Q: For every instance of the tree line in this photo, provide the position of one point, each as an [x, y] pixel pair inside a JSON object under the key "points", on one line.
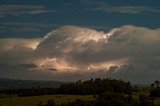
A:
{"points": [[106, 92], [95, 86]]}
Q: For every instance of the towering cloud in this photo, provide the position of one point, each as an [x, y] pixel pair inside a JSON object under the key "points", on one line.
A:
{"points": [[82, 52]]}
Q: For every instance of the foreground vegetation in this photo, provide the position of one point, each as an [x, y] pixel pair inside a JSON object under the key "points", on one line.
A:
{"points": [[35, 100], [94, 92]]}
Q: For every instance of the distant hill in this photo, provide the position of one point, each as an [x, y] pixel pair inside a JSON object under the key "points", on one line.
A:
{"points": [[6, 83]]}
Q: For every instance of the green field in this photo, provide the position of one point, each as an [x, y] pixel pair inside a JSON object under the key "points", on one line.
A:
{"points": [[34, 100]]}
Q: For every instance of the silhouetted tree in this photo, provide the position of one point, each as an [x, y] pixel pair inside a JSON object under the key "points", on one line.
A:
{"points": [[157, 83], [152, 85]]}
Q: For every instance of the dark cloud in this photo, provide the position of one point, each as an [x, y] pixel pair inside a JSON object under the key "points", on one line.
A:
{"points": [[126, 9], [107, 7], [22, 9]]}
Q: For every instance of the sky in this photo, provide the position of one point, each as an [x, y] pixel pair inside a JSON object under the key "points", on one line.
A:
{"points": [[67, 40], [31, 18]]}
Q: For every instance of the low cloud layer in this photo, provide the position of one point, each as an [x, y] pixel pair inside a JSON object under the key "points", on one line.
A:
{"points": [[71, 52]]}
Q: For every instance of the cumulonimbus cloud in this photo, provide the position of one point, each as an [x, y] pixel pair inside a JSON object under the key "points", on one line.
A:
{"points": [[76, 51]]}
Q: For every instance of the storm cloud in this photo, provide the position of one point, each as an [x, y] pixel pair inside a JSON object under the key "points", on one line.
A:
{"points": [[72, 52]]}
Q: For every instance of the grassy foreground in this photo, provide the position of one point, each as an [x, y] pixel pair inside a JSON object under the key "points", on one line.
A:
{"points": [[34, 100]]}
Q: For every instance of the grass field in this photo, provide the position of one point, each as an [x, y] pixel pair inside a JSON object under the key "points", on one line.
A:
{"points": [[34, 100]]}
